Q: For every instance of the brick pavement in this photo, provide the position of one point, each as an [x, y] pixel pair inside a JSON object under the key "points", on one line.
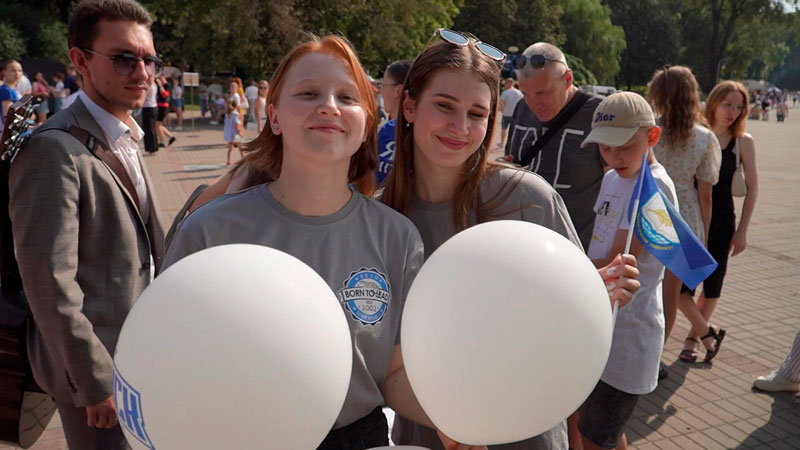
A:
{"points": [[698, 406]]}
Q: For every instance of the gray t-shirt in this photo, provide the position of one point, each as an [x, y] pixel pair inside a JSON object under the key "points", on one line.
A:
{"points": [[363, 245], [575, 172], [513, 194]]}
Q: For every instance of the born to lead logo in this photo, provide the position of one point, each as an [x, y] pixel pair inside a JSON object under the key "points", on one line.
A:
{"points": [[366, 295], [129, 409]]}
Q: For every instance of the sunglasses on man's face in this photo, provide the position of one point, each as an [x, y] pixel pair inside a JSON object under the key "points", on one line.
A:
{"points": [[462, 39], [536, 61], [126, 63]]}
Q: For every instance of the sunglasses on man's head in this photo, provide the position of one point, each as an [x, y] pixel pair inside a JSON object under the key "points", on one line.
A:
{"points": [[126, 63], [462, 39], [536, 61]]}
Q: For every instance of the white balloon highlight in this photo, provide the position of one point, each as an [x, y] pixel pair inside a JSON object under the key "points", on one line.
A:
{"points": [[237, 346], [505, 332]]}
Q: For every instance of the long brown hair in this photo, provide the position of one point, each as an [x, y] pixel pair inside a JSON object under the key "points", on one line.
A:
{"points": [[399, 184], [718, 95], [673, 91], [265, 152]]}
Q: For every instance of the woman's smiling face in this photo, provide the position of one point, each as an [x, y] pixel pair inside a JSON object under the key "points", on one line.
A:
{"points": [[319, 114], [450, 118]]}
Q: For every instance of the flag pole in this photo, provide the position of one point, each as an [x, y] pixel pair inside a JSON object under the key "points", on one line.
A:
{"points": [[632, 223]]}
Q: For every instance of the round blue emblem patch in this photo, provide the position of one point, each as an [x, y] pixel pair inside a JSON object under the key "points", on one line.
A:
{"points": [[366, 295]]}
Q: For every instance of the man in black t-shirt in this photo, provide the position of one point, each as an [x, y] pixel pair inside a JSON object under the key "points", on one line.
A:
{"points": [[71, 81], [545, 80]]}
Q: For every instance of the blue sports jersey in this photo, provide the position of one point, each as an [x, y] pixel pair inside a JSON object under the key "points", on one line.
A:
{"points": [[386, 147], [7, 93]]}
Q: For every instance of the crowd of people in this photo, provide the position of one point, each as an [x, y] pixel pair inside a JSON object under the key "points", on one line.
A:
{"points": [[326, 182], [763, 103]]}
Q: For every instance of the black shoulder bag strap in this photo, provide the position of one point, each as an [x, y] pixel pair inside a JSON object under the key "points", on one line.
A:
{"points": [[559, 122]]}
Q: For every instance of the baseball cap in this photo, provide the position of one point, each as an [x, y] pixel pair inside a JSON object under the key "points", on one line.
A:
{"points": [[618, 117]]}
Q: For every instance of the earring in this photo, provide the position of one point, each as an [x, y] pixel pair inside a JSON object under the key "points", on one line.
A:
{"points": [[408, 124]]}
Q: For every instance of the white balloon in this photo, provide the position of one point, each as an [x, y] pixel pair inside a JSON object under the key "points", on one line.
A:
{"points": [[506, 330], [237, 346]]}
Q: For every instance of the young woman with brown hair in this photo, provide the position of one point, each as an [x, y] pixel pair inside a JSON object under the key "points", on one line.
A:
{"points": [[727, 108], [690, 152], [443, 182]]}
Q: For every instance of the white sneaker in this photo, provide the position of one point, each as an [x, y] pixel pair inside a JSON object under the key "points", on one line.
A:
{"points": [[178, 128], [775, 382], [213, 122]]}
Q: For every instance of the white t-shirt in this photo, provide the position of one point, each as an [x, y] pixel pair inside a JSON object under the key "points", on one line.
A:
{"points": [[23, 86], [638, 340], [150, 97], [251, 93], [510, 97], [58, 90], [177, 92]]}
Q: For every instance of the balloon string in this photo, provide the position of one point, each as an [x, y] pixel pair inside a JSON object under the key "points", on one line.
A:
{"points": [[614, 314]]}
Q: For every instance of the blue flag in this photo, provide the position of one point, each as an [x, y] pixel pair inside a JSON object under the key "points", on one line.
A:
{"points": [[664, 233]]}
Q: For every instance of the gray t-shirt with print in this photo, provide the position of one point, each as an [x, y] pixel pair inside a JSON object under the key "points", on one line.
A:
{"points": [[364, 244], [575, 172], [512, 194]]}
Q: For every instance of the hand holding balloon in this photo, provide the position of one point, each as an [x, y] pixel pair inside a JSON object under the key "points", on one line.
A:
{"points": [[621, 278], [477, 325], [229, 326], [450, 444], [102, 414]]}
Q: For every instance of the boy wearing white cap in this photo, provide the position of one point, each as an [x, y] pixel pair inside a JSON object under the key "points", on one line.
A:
{"points": [[625, 130]]}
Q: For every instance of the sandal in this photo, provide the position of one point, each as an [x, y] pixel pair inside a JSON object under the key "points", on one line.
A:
{"points": [[689, 354], [718, 336]]}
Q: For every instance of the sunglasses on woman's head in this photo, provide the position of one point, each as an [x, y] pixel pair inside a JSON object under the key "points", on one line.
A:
{"points": [[536, 61], [462, 39]]}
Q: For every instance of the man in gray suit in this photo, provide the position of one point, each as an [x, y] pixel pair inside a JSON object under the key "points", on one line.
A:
{"points": [[85, 219]]}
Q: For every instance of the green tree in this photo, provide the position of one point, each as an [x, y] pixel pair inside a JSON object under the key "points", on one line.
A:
{"points": [[709, 27], [787, 74], [581, 74], [651, 36], [518, 23], [382, 30], [591, 36], [51, 41], [245, 37], [39, 26], [757, 47], [248, 37], [12, 46]]}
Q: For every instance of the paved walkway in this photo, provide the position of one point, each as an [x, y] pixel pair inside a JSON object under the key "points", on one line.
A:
{"points": [[698, 406]]}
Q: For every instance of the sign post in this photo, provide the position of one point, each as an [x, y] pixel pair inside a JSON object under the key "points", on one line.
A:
{"points": [[192, 79]]}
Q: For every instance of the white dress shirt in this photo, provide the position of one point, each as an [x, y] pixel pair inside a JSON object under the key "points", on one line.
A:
{"points": [[124, 143]]}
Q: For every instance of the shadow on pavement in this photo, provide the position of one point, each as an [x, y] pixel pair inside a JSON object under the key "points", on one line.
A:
{"points": [[200, 147], [784, 418], [654, 409]]}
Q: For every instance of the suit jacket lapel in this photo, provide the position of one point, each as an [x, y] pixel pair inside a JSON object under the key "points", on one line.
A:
{"points": [[154, 228], [84, 119]]}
